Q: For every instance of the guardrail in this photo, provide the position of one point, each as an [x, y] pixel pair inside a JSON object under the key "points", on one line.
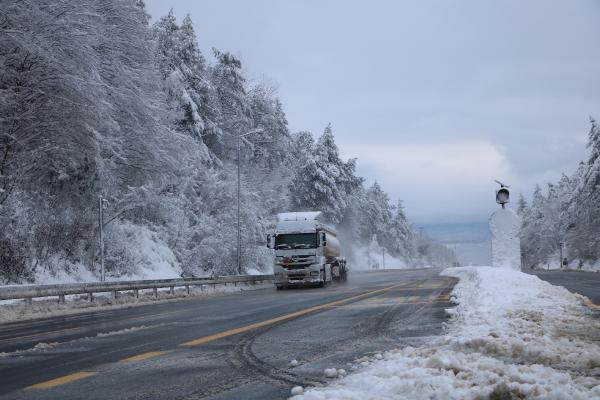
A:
{"points": [[29, 292]]}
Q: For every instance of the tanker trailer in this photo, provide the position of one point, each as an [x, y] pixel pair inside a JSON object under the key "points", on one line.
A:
{"points": [[307, 251]]}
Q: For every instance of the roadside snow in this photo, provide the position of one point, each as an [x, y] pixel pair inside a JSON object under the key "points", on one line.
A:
{"points": [[42, 346], [18, 310], [512, 335]]}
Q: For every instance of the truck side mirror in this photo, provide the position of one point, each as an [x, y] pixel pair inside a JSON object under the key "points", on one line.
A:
{"points": [[323, 238], [269, 241]]}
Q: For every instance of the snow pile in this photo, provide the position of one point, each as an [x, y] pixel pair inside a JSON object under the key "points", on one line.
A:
{"points": [[587, 266], [139, 253], [42, 346], [69, 273], [511, 336]]}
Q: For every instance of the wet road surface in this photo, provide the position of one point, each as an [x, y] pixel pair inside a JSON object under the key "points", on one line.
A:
{"points": [[228, 347]]}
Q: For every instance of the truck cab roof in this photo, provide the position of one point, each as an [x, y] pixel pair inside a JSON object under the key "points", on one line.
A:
{"points": [[301, 222]]}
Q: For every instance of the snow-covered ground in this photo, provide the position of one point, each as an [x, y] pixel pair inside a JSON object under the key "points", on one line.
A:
{"points": [[374, 258], [511, 336], [13, 310]]}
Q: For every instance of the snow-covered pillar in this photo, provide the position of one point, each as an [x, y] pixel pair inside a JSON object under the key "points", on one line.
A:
{"points": [[505, 226]]}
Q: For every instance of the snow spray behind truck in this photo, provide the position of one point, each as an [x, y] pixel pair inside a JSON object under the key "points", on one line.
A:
{"points": [[307, 251]]}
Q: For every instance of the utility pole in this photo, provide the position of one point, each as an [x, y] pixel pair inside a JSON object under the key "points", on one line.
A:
{"points": [[383, 258], [239, 231], [102, 202]]}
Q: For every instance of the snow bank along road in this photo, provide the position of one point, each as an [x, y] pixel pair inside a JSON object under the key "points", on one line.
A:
{"points": [[512, 336], [236, 346]]}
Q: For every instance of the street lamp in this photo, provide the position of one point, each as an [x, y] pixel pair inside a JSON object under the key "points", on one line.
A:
{"points": [[502, 194]]}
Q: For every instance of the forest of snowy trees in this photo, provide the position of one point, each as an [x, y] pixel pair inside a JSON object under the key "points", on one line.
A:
{"points": [[568, 212], [97, 100]]}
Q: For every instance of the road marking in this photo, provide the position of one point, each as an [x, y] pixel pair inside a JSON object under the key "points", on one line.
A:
{"points": [[588, 303], [243, 329], [62, 380], [144, 356]]}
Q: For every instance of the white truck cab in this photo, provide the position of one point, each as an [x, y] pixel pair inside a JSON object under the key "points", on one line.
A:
{"points": [[307, 251]]}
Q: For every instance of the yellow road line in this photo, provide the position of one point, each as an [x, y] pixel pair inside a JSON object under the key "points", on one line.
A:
{"points": [[62, 380], [414, 299], [588, 303], [235, 331], [144, 356]]}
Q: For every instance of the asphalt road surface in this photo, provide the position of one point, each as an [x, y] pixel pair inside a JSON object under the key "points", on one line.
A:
{"points": [[584, 283], [228, 347]]}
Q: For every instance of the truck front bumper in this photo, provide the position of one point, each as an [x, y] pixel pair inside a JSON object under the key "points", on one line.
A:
{"points": [[292, 277]]}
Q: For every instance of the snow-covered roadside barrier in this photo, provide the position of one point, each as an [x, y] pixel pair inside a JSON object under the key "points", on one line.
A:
{"points": [[19, 310], [511, 335]]}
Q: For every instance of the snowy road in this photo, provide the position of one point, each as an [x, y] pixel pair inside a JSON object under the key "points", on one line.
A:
{"points": [[233, 346]]}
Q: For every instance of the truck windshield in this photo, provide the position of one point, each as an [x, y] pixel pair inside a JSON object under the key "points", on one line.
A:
{"points": [[296, 241]]}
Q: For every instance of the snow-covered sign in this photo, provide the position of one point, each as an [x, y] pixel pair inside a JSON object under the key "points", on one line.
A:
{"points": [[505, 226]]}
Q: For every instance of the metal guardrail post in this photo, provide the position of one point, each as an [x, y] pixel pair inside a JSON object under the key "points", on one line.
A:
{"points": [[28, 292]]}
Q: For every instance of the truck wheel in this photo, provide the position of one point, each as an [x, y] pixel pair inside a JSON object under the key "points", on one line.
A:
{"points": [[279, 287], [323, 283]]}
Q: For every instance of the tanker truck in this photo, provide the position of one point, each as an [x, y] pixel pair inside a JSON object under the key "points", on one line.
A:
{"points": [[307, 251]]}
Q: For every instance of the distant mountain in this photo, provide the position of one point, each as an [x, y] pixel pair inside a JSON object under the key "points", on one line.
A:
{"points": [[470, 241], [473, 232]]}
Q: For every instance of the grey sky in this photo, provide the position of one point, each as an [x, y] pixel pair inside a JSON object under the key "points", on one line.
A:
{"points": [[435, 98]]}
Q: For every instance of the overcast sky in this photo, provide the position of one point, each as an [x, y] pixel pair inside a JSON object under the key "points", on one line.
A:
{"points": [[435, 98]]}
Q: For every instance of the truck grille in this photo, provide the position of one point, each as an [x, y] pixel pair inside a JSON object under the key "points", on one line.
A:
{"points": [[294, 266], [296, 261]]}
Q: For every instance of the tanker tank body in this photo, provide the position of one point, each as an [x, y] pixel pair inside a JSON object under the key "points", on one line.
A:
{"points": [[307, 251]]}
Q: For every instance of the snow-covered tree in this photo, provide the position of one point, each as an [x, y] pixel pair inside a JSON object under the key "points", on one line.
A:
{"points": [[184, 72], [94, 101], [325, 182]]}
